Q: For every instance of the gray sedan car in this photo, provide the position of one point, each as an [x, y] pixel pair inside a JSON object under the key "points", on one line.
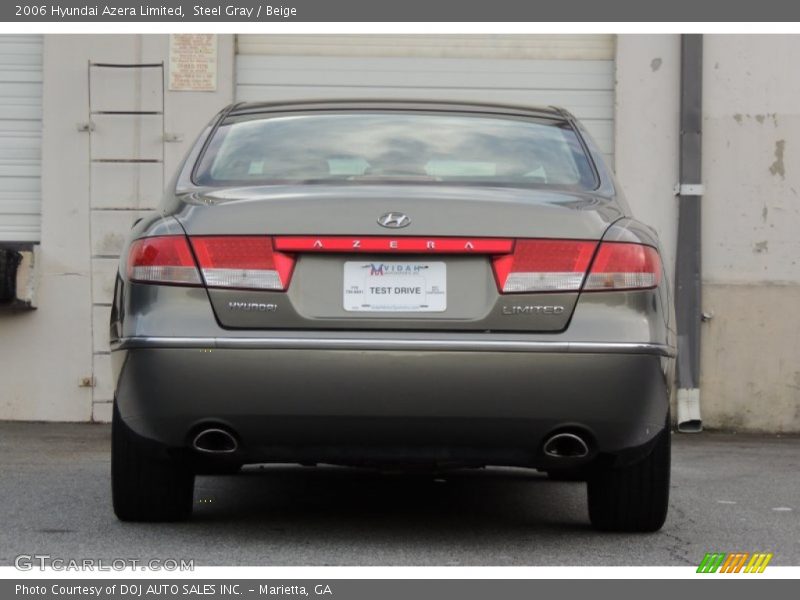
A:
{"points": [[393, 284]]}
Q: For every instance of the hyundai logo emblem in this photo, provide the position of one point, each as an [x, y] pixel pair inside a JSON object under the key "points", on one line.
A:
{"points": [[394, 220]]}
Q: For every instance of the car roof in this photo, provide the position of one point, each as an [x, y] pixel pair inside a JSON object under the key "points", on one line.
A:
{"points": [[244, 108]]}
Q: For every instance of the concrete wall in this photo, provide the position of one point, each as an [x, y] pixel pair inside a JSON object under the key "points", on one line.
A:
{"points": [[750, 373], [751, 233], [48, 353], [120, 193], [646, 134]]}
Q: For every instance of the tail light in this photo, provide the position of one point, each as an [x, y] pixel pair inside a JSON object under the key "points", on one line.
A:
{"points": [[164, 259], [624, 266], [252, 262], [561, 266], [544, 266], [247, 262]]}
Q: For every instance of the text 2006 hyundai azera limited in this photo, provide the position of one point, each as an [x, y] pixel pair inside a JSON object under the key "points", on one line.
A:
{"points": [[393, 284]]}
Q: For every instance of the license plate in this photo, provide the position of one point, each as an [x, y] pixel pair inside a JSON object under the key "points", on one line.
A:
{"points": [[395, 286]]}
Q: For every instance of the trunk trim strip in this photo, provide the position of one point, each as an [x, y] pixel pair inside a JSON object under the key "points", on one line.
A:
{"points": [[393, 245], [462, 345]]}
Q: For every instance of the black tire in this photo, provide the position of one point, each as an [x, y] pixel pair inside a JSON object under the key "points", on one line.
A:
{"points": [[145, 486], [634, 498]]}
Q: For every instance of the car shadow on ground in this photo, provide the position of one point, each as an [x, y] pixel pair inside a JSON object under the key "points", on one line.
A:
{"points": [[340, 498]]}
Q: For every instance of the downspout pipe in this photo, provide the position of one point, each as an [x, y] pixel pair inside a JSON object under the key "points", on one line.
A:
{"points": [[688, 309]]}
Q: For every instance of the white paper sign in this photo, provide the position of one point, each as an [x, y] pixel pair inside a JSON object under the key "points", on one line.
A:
{"points": [[192, 62]]}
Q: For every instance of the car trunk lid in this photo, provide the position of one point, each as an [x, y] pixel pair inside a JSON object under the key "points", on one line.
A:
{"points": [[438, 271]]}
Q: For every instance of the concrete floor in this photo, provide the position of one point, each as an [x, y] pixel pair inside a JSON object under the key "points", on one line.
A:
{"points": [[730, 493]]}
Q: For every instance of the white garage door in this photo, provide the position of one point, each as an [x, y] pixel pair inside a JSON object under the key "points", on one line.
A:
{"points": [[573, 71], [20, 137]]}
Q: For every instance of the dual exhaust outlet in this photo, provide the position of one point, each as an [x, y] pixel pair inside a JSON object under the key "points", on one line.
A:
{"points": [[214, 440]]}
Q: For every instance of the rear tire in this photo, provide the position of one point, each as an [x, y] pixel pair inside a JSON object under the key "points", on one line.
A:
{"points": [[634, 498], [144, 486]]}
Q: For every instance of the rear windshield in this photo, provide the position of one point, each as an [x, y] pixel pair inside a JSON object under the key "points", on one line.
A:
{"points": [[364, 147]]}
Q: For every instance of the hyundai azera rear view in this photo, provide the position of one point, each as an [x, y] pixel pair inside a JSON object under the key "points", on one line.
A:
{"points": [[393, 284]]}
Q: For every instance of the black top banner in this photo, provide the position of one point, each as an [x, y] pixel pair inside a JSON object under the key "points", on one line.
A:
{"points": [[400, 11]]}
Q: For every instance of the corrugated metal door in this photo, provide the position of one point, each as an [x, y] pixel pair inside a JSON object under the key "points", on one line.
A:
{"points": [[20, 137], [573, 71]]}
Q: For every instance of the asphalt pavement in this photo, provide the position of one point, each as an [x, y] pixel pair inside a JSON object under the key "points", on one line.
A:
{"points": [[730, 493]]}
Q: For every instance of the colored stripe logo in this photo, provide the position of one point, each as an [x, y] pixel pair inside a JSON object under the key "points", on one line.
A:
{"points": [[734, 562]]}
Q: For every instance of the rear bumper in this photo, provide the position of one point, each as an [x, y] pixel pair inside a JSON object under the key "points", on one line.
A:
{"points": [[394, 400]]}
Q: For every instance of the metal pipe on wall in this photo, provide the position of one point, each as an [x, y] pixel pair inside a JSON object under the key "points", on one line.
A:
{"points": [[688, 309]]}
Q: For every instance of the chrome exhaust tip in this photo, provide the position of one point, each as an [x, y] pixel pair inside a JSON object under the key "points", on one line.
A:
{"points": [[566, 445], [215, 441]]}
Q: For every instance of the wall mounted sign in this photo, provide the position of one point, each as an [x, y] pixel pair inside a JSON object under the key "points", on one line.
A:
{"points": [[192, 62]]}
